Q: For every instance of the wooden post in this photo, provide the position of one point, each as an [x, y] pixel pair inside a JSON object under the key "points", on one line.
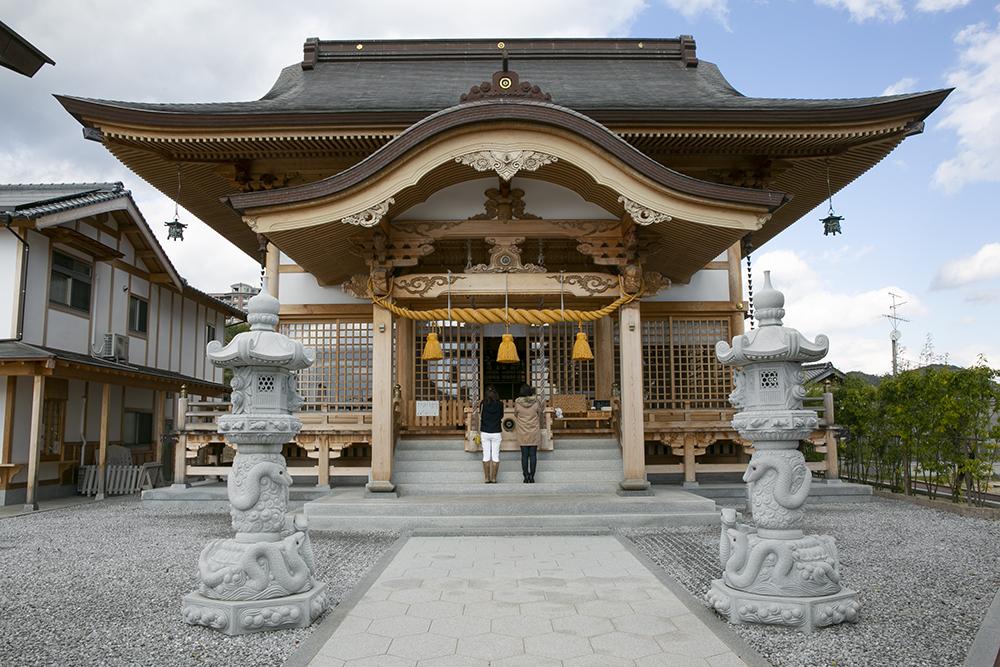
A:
{"points": [[105, 427], [832, 464], [180, 447], [690, 478], [604, 358], [272, 269], [633, 439], [382, 415], [733, 256], [405, 358], [35, 444], [160, 409], [324, 464]]}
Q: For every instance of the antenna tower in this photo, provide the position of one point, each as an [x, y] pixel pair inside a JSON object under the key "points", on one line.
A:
{"points": [[895, 335]]}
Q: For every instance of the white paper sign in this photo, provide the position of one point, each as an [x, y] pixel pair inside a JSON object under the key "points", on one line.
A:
{"points": [[428, 409]]}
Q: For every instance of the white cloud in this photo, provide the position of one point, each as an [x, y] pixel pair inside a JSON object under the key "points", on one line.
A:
{"points": [[905, 85], [692, 9], [862, 10], [811, 307], [984, 265], [968, 320], [983, 297], [941, 5], [974, 113]]}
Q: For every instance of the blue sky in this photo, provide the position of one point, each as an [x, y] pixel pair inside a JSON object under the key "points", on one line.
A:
{"points": [[922, 224]]}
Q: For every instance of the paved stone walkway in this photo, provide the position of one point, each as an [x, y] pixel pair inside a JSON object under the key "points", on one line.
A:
{"points": [[537, 601]]}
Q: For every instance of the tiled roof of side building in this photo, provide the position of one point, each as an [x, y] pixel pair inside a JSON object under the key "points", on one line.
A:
{"points": [[32, 200]]}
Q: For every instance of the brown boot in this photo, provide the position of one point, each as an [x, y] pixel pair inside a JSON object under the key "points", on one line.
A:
{"points": [[486, 471], [493, 474]]}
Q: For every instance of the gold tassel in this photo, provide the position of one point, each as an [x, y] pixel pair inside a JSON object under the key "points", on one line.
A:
{"points": [[432, 348], [507, 354], [581, 349]]}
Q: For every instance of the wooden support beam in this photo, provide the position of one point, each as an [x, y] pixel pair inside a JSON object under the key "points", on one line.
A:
{"points": [[105, 428], [180, 447], [633, 439], [159, 412], [35, 443], [382, 415], [405, 358], [604, 358], [272, 269]]}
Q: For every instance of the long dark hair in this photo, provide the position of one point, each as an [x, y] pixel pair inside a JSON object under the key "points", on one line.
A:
{"points": [[527, 390], [490, 395]]}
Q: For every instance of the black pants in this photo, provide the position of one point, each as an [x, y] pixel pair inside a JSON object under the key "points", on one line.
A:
{"points": [[529, 457]]}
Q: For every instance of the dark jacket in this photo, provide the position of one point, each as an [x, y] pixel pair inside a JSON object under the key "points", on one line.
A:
{"points": [[491, 416]]}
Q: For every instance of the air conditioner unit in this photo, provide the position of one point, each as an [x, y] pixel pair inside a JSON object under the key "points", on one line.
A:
{"points": [[115, 347]]}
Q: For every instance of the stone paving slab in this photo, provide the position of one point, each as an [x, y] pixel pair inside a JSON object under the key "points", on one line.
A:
{"points": [[503, 601]]}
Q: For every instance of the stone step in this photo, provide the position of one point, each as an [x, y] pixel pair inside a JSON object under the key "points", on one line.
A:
{"points": [[508, 485], [506, 477], [506, 462], [462, 455], [575, 443], [580, 521]]}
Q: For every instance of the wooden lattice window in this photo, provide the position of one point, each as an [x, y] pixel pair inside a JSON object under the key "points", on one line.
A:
{"points": [[679, 367], [456, 377], [551, 367], [341, 377]]}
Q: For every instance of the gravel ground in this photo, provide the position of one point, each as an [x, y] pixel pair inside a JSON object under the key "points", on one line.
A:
{"points": [[925, 579], [101, 584]]}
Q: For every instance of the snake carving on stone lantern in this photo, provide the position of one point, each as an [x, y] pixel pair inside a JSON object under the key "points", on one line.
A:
{"points": [[773, 572], [262, 579]]}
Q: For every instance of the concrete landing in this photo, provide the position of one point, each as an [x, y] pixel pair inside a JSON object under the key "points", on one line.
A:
{"points": [[348, 509]]}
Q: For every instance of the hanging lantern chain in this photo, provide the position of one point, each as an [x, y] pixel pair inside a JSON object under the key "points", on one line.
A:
{"points": [[831, 223]]}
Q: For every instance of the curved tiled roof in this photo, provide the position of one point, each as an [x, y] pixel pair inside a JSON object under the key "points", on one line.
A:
{"points": [[499, 111]]}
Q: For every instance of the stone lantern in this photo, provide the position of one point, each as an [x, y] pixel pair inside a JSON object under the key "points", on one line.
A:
{"points": [[263, 578], [774, 573]]}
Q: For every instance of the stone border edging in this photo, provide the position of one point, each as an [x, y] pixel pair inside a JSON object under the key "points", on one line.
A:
{"points": [[985, 649], [968, 511]]}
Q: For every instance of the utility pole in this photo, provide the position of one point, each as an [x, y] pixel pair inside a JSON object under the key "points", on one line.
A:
{"points": [[895, 335]]}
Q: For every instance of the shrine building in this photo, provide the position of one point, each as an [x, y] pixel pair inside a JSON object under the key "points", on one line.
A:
{"points": [[541, 188]]}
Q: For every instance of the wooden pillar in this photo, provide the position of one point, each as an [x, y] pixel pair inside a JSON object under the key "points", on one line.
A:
{"points": [[633, 440], [272, 268], [323, 480], [105, 428], [382, 415], [736, 288], [159, 412], [405, 355], [690, 478], [604, 358], [180, 447], [832, 464], [35, 443]]}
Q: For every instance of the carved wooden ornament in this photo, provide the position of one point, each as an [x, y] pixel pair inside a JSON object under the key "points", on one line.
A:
{"points": [[371, 216], [506, 163], [642, 215]]}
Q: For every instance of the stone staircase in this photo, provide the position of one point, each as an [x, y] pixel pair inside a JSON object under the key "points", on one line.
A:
{"points": [[442, 486]]}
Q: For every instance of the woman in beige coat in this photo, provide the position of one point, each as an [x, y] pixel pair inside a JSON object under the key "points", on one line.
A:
{"points": [[528, 413]]}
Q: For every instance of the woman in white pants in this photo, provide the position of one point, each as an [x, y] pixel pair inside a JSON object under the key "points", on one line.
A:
{"points": [[490, 430]]}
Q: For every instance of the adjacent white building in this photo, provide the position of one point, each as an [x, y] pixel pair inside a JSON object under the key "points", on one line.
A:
{"points": [[99, 335]]}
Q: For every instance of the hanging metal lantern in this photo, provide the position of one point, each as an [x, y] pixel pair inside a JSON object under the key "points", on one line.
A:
{"points": [[831, 223], [175, 230]]}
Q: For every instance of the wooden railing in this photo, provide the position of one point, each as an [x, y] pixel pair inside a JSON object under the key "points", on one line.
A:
{"points": [[688, 434], [326, 438]]}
